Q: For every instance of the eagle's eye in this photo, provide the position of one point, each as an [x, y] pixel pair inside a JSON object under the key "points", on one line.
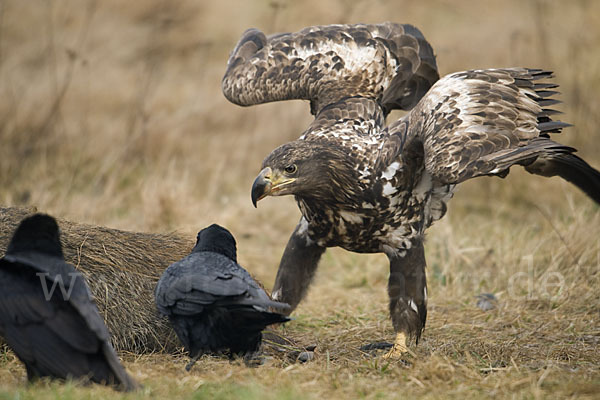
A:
{"points": [[290, 169]]}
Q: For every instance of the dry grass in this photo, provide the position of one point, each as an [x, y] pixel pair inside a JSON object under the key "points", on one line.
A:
{"points": [[111, 113]]}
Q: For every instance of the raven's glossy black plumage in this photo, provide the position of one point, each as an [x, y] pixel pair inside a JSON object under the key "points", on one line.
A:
{"points": [[213, 304], [47, 316]]}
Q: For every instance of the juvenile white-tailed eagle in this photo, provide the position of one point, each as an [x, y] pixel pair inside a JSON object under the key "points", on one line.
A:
{"points": [[368, 187]]}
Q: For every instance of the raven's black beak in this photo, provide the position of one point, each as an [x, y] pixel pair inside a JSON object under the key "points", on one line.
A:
{"points": [[262, 185]]}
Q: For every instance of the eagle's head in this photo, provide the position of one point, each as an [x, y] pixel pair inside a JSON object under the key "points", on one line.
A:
{"points": [[305, 169]]}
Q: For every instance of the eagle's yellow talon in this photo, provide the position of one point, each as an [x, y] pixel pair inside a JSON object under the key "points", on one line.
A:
{"points": [[399, 348]]}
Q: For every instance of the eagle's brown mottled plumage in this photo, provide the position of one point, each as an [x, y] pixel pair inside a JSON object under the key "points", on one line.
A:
{"points": [[368, 187], [389, 62]]}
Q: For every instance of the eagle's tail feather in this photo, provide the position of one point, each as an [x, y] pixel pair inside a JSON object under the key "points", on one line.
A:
{"points": [[572, 169]]}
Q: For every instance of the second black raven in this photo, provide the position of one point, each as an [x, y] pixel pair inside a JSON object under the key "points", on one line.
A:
{"points": [[213, 303]]}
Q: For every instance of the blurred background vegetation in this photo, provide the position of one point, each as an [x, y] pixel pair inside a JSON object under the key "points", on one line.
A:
{"points": [[111, 113]]}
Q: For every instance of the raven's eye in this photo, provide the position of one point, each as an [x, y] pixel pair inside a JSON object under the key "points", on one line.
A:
{"points": [[290, 169]]}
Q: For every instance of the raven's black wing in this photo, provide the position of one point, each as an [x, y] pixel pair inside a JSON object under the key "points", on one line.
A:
{"points": [[207, 279], [51, 323]]}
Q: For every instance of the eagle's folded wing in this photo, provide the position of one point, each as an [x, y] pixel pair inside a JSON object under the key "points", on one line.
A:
{"points": [[390, 63]]}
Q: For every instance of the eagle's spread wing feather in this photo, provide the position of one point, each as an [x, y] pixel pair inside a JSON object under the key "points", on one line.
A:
{"points": [[481, 122], [390, 63]]}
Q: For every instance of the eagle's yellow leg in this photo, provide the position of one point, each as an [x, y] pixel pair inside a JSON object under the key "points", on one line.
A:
{"points": [[398, 349]]}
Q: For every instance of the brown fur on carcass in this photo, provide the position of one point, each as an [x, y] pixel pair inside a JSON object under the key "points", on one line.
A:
{"points": [[122, 269]]}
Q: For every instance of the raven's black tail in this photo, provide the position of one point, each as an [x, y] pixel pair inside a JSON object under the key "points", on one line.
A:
{"points": [[247, 323], [571, 168], [252, 319]]}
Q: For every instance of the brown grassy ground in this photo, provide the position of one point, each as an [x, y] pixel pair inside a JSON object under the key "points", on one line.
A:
{"points": [[111, 113]]}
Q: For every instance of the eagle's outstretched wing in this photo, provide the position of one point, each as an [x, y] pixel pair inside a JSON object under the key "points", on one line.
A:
{"points": [[481, 122], [390, 63]]}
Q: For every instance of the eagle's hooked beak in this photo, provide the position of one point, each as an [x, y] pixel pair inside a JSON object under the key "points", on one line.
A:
{"points": [[268, 183], [262, 185]]}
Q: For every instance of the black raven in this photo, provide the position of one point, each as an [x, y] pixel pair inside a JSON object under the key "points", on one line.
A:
{"points": [[213, 304], [47, 316]]}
